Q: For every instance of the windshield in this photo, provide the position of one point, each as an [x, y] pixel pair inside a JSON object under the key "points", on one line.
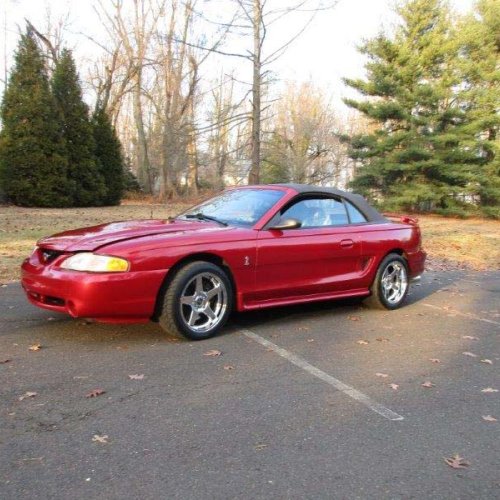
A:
{"points": [[239, 207]]}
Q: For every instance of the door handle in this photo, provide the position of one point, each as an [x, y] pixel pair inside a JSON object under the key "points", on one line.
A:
{"points": [[346, 243]]}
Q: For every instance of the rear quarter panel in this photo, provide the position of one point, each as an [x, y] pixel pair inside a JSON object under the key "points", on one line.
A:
{"points": [[378, 240]]}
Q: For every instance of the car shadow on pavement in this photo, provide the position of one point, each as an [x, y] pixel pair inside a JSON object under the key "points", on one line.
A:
{"points": [[430, 284], [82, 331]]}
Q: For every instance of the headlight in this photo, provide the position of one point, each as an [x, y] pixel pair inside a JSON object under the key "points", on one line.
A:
{"points": [[86, 261]]}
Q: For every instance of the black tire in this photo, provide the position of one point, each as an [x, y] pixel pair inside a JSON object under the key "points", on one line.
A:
{"points": [[173, 314], [378, 299]]}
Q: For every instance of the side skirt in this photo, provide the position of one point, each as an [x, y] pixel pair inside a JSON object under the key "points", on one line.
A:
{"points": [[301, 299]]}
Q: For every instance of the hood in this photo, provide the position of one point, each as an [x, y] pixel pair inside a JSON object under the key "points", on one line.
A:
{"points": [[91, 238]]}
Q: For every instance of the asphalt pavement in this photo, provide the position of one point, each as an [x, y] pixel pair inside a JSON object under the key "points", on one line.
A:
{"points": [[315, 401]]}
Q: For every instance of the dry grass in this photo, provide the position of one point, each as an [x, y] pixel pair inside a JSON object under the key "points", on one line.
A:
{"points": [[468, 243], [473, 243]]}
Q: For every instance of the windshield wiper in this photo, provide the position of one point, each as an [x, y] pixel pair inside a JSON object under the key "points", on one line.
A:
{"points": [[201, 216]]}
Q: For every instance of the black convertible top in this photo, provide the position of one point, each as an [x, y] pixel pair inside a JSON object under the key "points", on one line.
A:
{"points": [[356, 199]]}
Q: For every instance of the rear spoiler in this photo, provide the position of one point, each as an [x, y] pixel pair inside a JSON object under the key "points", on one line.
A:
{"points": [[404, 219]]}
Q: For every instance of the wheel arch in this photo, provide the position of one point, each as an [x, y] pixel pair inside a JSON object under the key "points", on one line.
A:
{"points": [[179, 264], [374, 297], [397, 250]]}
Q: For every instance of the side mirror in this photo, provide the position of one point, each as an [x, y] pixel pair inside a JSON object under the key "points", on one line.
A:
{"points": [[284, 224]]}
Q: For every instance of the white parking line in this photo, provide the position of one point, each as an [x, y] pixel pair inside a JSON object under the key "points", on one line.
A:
{"points": [[346, 389], [465, 315]]}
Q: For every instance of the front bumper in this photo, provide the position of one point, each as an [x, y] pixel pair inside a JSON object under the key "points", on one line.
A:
{"points": [[112, 297]]}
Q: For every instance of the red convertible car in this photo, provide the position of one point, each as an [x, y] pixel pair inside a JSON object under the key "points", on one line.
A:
{"points": [[248, 248]]}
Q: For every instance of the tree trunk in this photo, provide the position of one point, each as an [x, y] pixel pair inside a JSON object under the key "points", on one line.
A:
{"points": [[168, 186], [254, 174], [143, 165], [192, 174]]}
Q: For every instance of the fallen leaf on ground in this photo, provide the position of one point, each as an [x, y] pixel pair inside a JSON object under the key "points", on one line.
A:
{"points": [[428, 384], [362, 342], [394, 386], [487, 361], [136, 377], [3, 361], [228, 367], [213, 353], [27, 395], [471, 354], [382, 339], [489, 389], [95, 393], [456, 462], [353, 318], [100, 439], [383, 375], [469, 337], [35, 347], [435, 360], [489, 418], [260, 446]]}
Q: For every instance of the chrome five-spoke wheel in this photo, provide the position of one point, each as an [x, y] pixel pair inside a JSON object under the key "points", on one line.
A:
{"points": [[203, 302], [391, 283], [197, 301], [394, 282]]}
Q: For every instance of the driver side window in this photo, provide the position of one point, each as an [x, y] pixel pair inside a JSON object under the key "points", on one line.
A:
{"points": [[317, 212]]}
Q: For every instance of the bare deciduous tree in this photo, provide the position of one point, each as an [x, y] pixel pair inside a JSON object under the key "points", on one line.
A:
{"points": [[255, 17], [133, 33], [260, 15], [305, 144]]}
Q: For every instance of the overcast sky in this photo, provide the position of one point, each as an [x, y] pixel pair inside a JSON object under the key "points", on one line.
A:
{"points": [[326, 52]]}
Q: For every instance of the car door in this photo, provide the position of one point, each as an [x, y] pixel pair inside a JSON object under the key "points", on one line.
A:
{"points": [[321, 257]]}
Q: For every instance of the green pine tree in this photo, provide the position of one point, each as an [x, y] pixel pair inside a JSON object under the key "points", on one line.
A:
{"points": [[420, 156], [130, 182], [275, 164], [82, 169], [109, 157], [480, 94], [274, 173], [33, 164]]}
